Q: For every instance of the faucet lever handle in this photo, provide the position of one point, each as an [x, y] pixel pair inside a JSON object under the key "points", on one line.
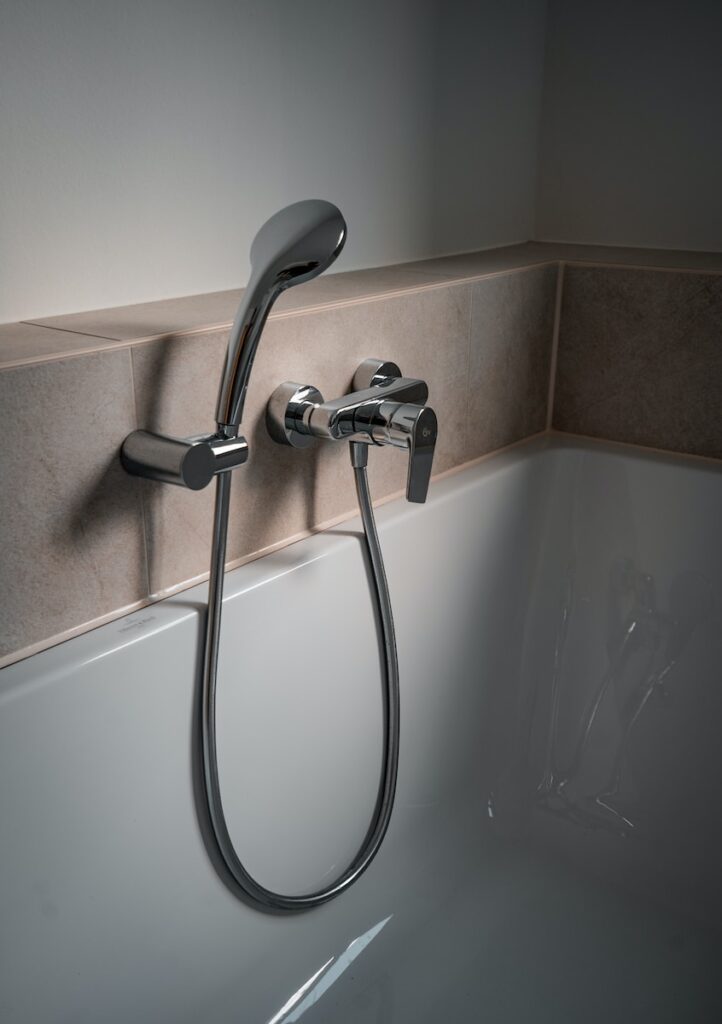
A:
{"points": [[418, 425]]}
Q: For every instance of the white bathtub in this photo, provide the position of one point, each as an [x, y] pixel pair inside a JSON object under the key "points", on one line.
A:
{"points": [[498, 895]]}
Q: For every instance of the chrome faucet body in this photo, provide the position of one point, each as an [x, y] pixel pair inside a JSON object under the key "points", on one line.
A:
{"points": [[384, 408]]}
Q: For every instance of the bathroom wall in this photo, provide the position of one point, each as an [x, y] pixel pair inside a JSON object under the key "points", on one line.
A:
{"points": [[144, 143], [640, 357], [631, 150]]}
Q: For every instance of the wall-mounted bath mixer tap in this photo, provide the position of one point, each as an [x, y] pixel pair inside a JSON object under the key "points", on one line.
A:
{"points": [[384, 408]]}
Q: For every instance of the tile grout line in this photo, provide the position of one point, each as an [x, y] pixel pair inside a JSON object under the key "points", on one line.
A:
{"points": [[555, 344], [581, 261], [141, 485], [67, 330], [467, 404]]}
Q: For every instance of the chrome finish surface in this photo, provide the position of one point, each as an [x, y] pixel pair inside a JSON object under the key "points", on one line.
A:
{"points": [[189, 462], [387, 409], [289, 407], [415, 428], [297, 244], [373, 371], [245, 884]]}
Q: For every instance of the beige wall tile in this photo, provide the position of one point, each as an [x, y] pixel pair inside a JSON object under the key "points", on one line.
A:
{"points": [[217, 310], [176, 383], [640, 358], [511, 342], [470, 265], [72, 545], [671, 259], [153, 319], [359, 285], [21, 344]]}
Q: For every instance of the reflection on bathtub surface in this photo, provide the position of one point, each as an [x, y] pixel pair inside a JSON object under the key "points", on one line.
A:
{"points": [[615, 757]]}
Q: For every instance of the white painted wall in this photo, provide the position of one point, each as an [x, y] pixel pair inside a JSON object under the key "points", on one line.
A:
{"points": [[142, 142], [631, 149], [485, 147]]}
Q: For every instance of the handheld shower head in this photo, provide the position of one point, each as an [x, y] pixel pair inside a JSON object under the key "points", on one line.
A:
{"points": [[297, 244]]}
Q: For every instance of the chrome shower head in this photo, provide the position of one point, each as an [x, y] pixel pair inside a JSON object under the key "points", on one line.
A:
{"points": [[297, 244]]}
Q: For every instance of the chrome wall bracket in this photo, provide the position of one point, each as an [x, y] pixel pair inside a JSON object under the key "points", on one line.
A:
{"points": [[189, 462]]}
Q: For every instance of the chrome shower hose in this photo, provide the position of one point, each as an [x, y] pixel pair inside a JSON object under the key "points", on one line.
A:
{"points": [[247, 886]]}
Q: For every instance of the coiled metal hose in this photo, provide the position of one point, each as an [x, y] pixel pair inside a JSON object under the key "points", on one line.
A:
{"points": [[248, 886]]}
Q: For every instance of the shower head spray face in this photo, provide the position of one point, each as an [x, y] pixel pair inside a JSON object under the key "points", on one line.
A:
{"points": [[297, 244]]}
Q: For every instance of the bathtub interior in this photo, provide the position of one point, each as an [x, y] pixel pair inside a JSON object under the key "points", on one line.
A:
{"points": [[493, 895], [619, 698]]}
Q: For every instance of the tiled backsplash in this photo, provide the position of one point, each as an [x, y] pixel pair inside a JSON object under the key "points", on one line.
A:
{"points": [[639, 359]]}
